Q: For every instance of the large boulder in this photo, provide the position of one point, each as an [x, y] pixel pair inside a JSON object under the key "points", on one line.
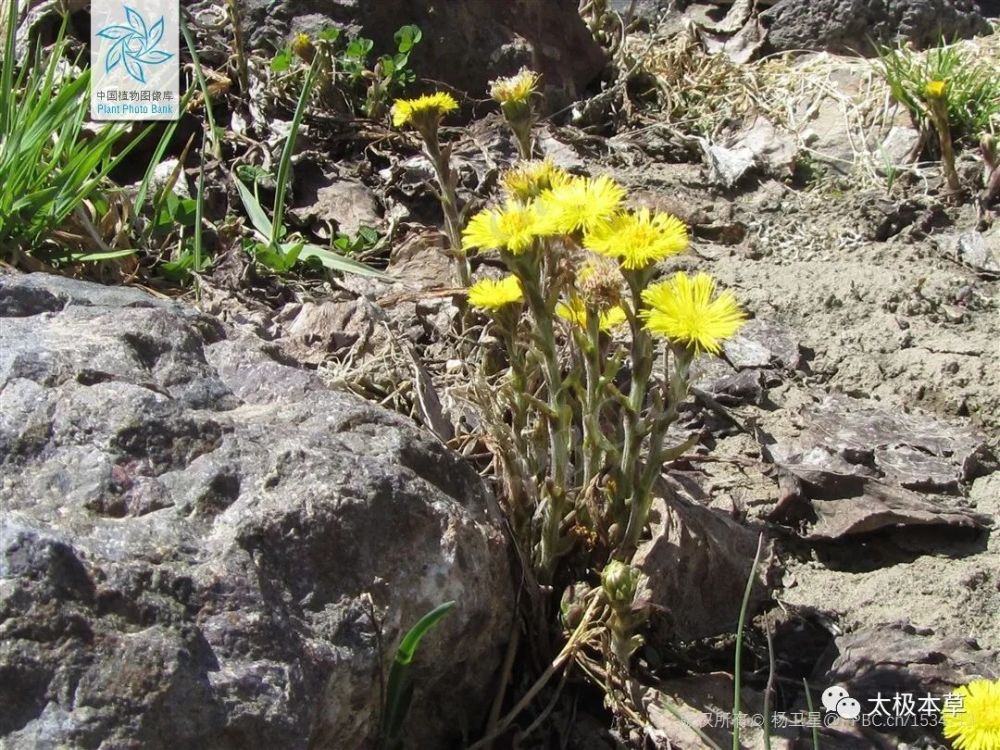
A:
{"points": [[465, 44], [849, 26], [204, 547]]}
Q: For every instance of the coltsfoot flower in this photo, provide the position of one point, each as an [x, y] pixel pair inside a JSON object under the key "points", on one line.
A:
{"points": [[576, 312], [515, 89], [489, 294], [513, 228], [685, 311], [600, 283], [976, 724], [640, 238], [581, 203], [529, 179], [303, 46], [424, 111], [935, 89]]}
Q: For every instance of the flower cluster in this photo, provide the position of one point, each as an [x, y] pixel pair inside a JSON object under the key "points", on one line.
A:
{"points": [[544, 202], [580, 299]]}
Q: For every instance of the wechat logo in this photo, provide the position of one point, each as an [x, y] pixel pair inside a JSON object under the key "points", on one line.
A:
{"points": [[134, 45], [837, 700]]}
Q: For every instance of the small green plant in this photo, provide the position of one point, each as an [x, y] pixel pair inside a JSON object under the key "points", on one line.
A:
{"points": [[399, 687], [187, 215], [273, 245], [48, 166], [367, 86], [973, 87]]}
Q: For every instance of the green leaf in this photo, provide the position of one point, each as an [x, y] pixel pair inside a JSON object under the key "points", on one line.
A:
{"points": [[257, 216], [399, 686], [340, 263], [407, 36], [330, 34], [282, 61], [368, 234], [252, 173], [106, 255], [359, 48]]}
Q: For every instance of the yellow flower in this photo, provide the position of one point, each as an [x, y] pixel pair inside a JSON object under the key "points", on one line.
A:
{"points": [[935, 89], [303, 47], [640, 238], [529, 179], [682, 309], [513, 227], [490, 294], [976, 724], [422, 111], [580, 203], [575, 312], [516, 89]]}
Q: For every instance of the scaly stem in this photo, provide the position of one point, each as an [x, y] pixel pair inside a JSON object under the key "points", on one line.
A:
{"points": [[939, 116], [558, 426], [636, 428], [448, 194], [677, 390]]}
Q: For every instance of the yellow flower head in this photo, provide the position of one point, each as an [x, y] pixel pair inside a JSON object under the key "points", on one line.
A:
{"points": [[576, 312], [935, 89], [513, 228], [976, 724], [489, 294], [303, 47], [517, 89], [424, 111], [529, 179], [580, 203], [682, 310], [640, 238]]}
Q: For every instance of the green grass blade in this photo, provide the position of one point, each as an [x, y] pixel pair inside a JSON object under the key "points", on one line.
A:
{"points": [[738, 661], [200, 76], [253, 208], [399, 687], [285, 162], [337, 262]]}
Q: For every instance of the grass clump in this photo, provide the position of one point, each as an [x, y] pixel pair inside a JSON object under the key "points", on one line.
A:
{"points": [[346, 77], [49, 167], [970, 87]]}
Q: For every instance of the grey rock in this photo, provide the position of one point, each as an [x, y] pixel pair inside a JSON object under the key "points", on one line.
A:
{"points": [[348, 204], [899, 146], [981, 251], [858, 467], [900, 658], [852, 25], [646, 12], [464, 45], [203, 547], [761, 343], [696, 565]]}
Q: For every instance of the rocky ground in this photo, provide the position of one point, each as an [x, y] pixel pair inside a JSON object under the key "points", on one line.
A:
{"points": [[855, 422]]}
